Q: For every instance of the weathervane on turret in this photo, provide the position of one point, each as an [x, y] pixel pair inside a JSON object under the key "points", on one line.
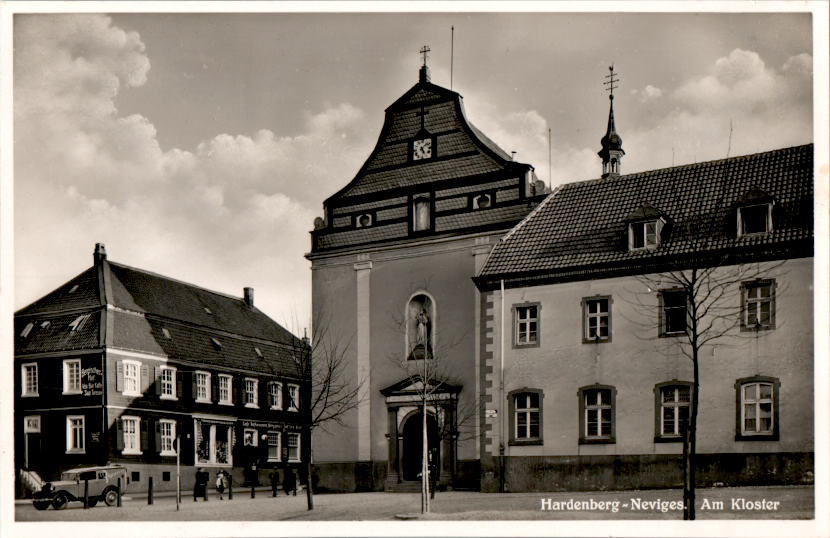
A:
{"points": [[611, 152]]}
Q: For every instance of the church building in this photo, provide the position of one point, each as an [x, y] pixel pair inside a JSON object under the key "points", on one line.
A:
{"points": [[392, 267], [545, 330]]}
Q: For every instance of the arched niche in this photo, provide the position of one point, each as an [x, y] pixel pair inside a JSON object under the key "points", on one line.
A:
{"points": [[420, 327]]}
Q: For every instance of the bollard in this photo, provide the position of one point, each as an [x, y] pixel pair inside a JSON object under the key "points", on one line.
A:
{"points": [[86, 494], [118, 501], [253, 491], [230, 487], [150, 491]]}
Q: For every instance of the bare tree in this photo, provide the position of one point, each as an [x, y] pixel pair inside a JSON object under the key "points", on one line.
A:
{"points": [[327, 389], [711, 288], [430, 376]]}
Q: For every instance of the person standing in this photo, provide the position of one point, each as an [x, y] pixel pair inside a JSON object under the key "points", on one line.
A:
{"points": [[274, 476], [289, 482], [221, 483], [200, 484]]}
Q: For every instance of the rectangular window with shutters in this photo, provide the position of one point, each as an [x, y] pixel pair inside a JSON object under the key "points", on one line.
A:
{"points": [[72, 376], [251, 392], [167, 433], [132, 378], [293, 443], [225, 390], [273, 446], [293, 398], [167, 382], [130, 427], [202, 387], [596, 410], [275, 395]]}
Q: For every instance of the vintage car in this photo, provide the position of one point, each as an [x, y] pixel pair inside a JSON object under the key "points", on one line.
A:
{"points": [[103, 486]]}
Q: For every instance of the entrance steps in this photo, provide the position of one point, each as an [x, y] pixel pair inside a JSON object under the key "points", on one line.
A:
{"points": [[31, 481], [407, 486]]}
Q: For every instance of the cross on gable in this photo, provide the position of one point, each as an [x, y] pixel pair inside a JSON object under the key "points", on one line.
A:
{"points": [[422, 113], [424, 50]]}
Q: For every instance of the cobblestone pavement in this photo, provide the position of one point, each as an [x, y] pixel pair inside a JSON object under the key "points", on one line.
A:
{"points": [[783, 502]]}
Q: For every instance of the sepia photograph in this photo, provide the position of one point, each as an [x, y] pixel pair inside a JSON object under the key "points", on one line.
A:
{"points": [[454, 268]]}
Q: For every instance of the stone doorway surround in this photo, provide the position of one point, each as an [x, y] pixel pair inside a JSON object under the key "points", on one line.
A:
{"points": [[402, 403]]}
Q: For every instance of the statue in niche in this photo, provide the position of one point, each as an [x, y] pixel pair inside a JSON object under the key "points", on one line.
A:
{"points": [[420, 324]]}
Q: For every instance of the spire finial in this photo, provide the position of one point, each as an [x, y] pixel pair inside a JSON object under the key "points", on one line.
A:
{"points": [[423, 74], [424, 50], [611, 152], [611, 83]]}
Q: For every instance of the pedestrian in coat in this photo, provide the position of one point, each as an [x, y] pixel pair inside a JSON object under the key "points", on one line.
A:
{"points": [[289, 482], [274, 476], [221, 483]]}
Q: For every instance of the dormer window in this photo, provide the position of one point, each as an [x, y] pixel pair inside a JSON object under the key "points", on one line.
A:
{"points": [[645, 228], [208, 311], [755, 219], [642, 235], [363, 221], [166, 333], [216, 344], [754, 212], [74, 289], [78, 323]]}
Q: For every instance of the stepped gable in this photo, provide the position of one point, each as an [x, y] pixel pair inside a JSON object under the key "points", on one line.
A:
{"points": [[580, 231]]}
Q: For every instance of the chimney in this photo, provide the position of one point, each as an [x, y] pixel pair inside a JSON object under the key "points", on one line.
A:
{"points": [[100, 253], [249, 297]]}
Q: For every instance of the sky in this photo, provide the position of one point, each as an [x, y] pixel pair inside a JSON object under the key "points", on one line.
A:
{"points": [[201, 146]]}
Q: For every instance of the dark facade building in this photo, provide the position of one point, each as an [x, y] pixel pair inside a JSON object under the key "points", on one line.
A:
{"points": [[117, 364]]}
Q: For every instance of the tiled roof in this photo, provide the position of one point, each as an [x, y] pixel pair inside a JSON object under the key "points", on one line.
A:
{"points": [[144, 333], [78, 293], [142, 291], [580, 229], [54, 333], [140, 305]]}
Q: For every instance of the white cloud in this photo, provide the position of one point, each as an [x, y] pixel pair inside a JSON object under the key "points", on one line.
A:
{"points": [[648, 93], [233, 212], [768, 108]]}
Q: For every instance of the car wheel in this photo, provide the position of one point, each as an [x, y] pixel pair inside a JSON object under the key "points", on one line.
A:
{"points": [[110, 496], [42, 504], [60, 501], [92, 501]]}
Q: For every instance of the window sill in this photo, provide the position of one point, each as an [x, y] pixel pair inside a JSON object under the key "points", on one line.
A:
{"points": [[293, 410], [527, 345], [673, 335], [596, 341], [251, 406], [273, 408], [291, 460], [167, 397], [204, 400], [76, 451], [29, 395], [223, 403], [131, 452], [526, 442], [667, 439], [597, 441], [747, 329], [164, 453], [757, 437], [135, 394], [71, 392]]}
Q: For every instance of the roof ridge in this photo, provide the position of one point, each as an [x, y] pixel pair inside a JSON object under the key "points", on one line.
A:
{"points": [[171, 279], [688, 165]]}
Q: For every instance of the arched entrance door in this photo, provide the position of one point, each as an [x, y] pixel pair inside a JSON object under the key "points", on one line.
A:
{"points": [[413, 444]]}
